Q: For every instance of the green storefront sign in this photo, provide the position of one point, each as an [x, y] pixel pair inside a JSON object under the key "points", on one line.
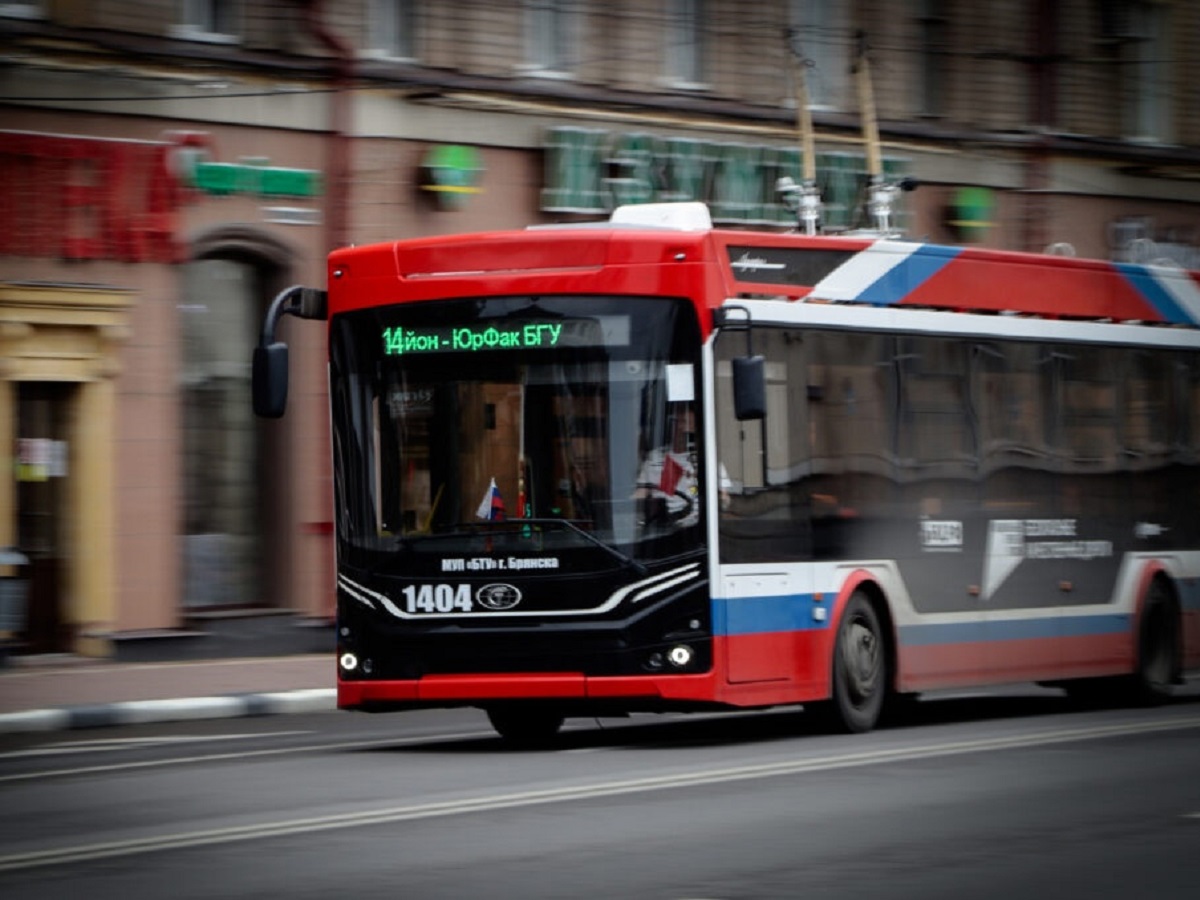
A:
{"points": [[255, 177], [592, 171], [452, 172]]}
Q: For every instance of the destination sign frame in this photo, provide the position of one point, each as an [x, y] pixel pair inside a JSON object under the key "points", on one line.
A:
{"points": [[530, 334]]}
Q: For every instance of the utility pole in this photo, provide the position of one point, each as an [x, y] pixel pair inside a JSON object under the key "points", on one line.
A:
{"points": [[803, 199], [881, 196], [866, 109]]}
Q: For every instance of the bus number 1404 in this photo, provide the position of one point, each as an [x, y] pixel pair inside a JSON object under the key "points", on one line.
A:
{"points": [[437, 598]]}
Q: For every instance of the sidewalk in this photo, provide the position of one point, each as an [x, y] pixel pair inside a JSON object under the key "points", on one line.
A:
{"points": [[58, 693]]}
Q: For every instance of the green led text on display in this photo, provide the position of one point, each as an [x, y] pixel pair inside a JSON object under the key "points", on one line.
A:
{"points": [[536, 335]]}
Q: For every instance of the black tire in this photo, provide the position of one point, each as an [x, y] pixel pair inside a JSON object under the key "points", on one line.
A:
{"points": [[1158, 650], [860, 667], [1095, 693], [901, 709], [525, 726]]}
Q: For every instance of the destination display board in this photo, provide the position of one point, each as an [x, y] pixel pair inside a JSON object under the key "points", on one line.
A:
{"points": [[596, 331]]}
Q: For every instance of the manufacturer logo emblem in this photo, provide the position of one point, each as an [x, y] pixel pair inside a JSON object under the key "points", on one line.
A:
{"points": [[498, 597]]}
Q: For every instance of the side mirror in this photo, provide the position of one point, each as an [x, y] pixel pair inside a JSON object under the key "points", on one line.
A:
{"points": [[269, 367], [269, 380], [749, 388]]}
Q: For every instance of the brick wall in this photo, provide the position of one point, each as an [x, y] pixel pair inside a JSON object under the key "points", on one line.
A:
{"points": [[989, 65], [135, 16]]}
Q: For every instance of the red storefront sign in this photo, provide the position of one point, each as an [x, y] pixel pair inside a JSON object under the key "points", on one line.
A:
{"points": [[90, 198]]}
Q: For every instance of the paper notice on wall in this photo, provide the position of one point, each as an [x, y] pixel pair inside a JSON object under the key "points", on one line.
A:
{"points": [[58, 459], [33, 459], [39, 459]]}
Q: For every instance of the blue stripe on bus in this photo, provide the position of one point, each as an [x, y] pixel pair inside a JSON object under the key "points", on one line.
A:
{"points": [[1013, 629], [902, 279], [763, 615], [1154, 293], [950, 633], [798, 612]]}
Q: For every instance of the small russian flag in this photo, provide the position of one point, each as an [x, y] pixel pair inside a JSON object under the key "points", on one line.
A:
{"points": [[491, 507], [672, 472]]}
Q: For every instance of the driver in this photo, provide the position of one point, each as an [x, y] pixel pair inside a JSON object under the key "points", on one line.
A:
{"points": [[666, 481]]}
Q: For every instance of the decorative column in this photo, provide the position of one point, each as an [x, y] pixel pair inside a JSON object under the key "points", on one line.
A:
{"points": [[71, 334], [8, 462]]}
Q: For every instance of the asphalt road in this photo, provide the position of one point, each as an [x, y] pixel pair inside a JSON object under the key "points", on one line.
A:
{"points": [[1010, 794]]}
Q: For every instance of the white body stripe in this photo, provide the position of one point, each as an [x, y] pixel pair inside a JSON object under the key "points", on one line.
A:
{"points": [[902, 319], [849, 280], [1181, 288]]}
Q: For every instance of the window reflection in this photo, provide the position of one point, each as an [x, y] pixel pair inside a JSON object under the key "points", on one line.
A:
{"points": [[218, 322], [868, 433]]}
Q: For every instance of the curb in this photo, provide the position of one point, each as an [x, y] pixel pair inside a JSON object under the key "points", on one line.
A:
{"points": [[141, 712]]}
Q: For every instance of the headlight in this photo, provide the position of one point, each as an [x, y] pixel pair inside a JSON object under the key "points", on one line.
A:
{"points": [[680, 655]]}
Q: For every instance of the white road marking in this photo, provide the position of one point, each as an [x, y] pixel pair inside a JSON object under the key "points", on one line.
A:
{"points": [[388, 815], [137, 743], [244, 754]]}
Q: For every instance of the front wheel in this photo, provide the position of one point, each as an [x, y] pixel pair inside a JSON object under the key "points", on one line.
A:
{"points": [[859, 669], [525, 726]]}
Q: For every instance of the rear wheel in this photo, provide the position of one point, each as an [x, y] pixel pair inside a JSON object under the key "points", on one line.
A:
{"points": [[525, 726], [1158, 646], [859, 669], [1158, 662]]}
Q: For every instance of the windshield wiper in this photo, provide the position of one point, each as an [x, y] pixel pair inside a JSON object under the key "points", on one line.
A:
{"points": [[624, 558], [506, 526]]}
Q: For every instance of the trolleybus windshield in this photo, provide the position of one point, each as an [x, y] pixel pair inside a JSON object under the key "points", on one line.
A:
{"points": [[499, 423]]}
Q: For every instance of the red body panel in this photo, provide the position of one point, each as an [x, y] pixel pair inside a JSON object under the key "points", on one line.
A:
{"points": [[1048, 285], [438, 690], [1191, 638]]}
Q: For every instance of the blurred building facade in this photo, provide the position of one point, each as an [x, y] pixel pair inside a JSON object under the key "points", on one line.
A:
{"points": [[166, 166]]}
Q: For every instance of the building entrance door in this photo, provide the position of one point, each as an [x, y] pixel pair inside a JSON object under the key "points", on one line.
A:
{"points": [[43, 450]]}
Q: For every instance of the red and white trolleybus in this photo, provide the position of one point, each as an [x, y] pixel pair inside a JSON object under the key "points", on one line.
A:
{"points": [[650, 464]]}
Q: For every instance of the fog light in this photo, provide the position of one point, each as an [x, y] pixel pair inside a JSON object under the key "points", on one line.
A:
{"points": [[680, 655], [349, 662]]}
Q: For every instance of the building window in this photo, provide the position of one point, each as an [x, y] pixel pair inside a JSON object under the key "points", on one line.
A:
{"points": [[934, 23], [392, 29], [218, 21], [824, 42], [552, 29], [34, 10], [685, 43], [1138, 31], [222, 471]]}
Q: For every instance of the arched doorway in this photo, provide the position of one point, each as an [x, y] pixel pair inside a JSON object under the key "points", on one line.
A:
{"points": [[232, 466]]}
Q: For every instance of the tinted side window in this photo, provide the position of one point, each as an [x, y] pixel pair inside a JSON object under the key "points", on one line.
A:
{"points": [[824, 455]]}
